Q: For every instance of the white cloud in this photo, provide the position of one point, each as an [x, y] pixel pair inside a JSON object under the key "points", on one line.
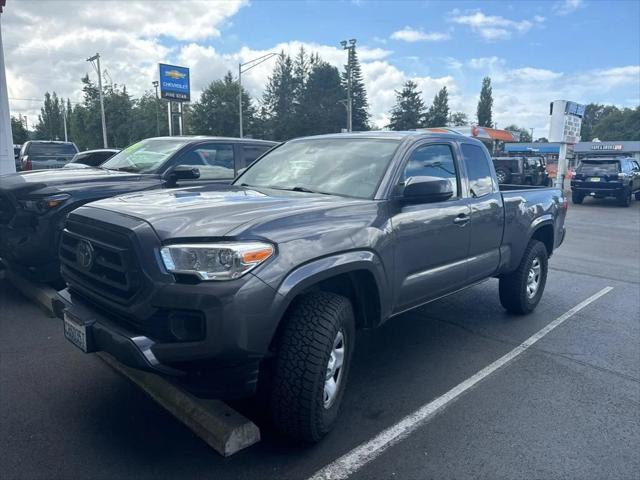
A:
{"points": [[408, 34], [493, 27], [565, 7]]}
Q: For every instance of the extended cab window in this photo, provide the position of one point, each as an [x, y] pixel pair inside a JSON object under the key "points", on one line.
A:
{"points": [[215, 161], [478, 170], [250, 153], [432, 161]]}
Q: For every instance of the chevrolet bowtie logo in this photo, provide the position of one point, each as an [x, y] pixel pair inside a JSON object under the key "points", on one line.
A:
{"points": [[176, 75]]}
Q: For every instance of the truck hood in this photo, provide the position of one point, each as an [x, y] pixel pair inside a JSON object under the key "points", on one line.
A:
{"points": [[44, 182], [214, 211]]}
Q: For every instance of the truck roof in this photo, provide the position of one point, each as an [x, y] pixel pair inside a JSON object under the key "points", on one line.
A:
{"points": [[208, 137], [394, 135]]}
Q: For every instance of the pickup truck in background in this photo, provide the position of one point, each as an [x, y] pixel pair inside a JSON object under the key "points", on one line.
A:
{"points": [[45, 154], [261, 285], [34, 205]]}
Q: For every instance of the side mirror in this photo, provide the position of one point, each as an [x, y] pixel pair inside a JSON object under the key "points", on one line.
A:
{"points": [[426, 190], [182, 172]]}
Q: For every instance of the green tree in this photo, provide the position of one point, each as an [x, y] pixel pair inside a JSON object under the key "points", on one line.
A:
{"points": [[20, 133], [279, 100], [409, 111], [50, 126], [525, 135], [458, 119], [438, 113], [148, 114], [321, 104], [593, 114], [542, 140], [618, 124], [216, 111], [359, 103], [485, 104]]}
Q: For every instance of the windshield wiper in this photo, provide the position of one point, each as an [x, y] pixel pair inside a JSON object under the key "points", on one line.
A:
{"points": [[298, 188]]}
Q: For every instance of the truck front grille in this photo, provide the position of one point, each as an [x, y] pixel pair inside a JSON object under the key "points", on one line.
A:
{"points": [[7, 210], [100, 262]]}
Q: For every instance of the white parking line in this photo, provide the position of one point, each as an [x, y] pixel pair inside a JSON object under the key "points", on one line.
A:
{"points": [[352, 461]]}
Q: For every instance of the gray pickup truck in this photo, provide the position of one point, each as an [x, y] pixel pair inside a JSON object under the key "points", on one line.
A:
{"points": [[260, 286]]}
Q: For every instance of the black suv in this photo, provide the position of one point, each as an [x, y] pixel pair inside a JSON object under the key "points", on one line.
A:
{"points": [[607, 177], [34, 205], [521, 170]]}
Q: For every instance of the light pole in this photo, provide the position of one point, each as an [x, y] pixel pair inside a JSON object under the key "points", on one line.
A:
{"points": [[350, 47], [96, 65], [250, 64], [155, 84]]}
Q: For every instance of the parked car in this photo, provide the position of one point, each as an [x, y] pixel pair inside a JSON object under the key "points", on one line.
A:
{"points": [[607, 177], [44, 154], [16, 156], [521, 170], [34, 205], [265, 281], [92, 158]]}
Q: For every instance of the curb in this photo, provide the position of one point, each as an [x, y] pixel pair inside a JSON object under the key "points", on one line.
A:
{"points": [[221, 427], [43, 295]]}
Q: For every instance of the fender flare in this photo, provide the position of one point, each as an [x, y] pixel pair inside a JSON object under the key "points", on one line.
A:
{"points": [[309, 274]]}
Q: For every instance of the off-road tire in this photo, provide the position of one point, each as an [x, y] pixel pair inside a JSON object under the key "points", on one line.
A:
{"points": [[303, 347], [503, 174], [577, 198], [513, 287]]}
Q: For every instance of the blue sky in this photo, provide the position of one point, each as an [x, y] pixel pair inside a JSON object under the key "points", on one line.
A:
{"points": [[534, 51]]}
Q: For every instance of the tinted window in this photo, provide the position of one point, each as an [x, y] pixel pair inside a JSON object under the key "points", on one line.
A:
{"points": [[51, 149], [342, 166], [635, 166], [432, 161], [250, 153], [599, 167], [215, 161], [92, 159], [478, 170]]}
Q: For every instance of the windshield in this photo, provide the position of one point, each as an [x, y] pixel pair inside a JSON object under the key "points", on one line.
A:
{"points": [[145, 156], [349, 167], [51, 149], [599, 168]]}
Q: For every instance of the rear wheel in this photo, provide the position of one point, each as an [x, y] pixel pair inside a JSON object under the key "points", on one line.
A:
{"points": [[625, 198], [577, 198], [310, 372], [520, 291], [503, 175]]}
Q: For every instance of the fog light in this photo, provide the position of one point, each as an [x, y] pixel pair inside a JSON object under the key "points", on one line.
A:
{"points": [[187, 326]]}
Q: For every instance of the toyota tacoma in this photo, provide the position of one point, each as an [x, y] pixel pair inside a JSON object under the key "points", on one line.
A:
{"points": [[260, 286]]}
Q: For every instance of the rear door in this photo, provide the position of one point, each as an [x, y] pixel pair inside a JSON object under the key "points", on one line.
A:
{"points": [[487, 213], [431, 239]]}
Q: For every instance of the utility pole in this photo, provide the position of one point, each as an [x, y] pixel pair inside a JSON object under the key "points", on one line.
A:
{"points": [[155, 84], [7, 163], [250, 64], [64, 121], [350, 47], [96, 58]]}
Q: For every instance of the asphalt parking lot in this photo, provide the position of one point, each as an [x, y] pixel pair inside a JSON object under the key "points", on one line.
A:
{"points": [[568, 407]]}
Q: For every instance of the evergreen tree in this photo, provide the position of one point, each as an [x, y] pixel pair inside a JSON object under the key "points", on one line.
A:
{"points": [[485, 104], [49, 126], [145, 122], [409, 111], [321, 104], [216, 112], [359, 103], [20, 133], [458, 119], [279, 100], [438, 113]]}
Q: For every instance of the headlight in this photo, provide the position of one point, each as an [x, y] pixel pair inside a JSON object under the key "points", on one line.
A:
{"points": [[215, 261], [43, 205]]}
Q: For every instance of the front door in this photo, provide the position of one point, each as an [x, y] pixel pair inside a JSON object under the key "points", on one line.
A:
{"points": [[431, 239]]}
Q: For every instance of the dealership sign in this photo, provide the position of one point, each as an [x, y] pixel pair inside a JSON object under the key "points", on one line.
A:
{"points": [[606, 147], [566, 121], [174, 83]]}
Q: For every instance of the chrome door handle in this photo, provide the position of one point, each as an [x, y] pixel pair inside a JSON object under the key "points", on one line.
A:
{"points": [[461, 219]]}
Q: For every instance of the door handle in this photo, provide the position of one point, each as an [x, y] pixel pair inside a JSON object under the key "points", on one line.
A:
{"points": [[462, 219]]}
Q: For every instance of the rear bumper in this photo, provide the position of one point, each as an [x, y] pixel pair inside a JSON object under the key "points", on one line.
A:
{"points": [[610, 189]]}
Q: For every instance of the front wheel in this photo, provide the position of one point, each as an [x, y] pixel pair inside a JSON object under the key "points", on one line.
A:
{"points": [[520, 291], [314, 352]]}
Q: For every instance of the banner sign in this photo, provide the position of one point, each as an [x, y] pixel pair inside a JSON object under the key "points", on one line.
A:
{"points": [[174, 83]]}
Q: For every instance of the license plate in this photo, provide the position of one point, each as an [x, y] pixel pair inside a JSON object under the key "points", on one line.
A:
{"points": [[594, 179], [75, 332]]}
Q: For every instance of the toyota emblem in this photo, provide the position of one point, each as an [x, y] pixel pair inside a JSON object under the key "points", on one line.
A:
{"points": [[84, 254]]}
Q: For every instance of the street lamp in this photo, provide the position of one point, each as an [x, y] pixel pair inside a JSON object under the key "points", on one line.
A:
{"points": [[155, 84], [250, 64], [350, 46]]}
